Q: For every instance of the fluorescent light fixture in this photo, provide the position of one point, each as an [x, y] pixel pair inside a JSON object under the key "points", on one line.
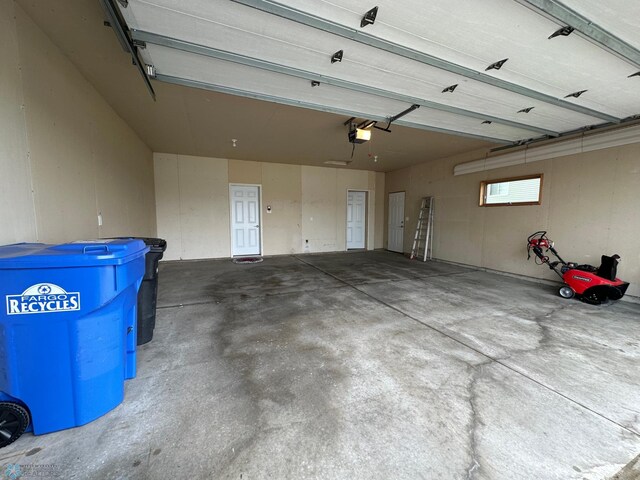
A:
{"points": [[342, 163], [572, 146]]}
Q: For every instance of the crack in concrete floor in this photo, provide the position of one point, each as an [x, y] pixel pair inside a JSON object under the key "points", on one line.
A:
{"points": [[477, 350]]}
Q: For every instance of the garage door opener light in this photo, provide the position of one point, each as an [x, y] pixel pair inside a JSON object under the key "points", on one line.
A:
{"points": [[359, 135]]}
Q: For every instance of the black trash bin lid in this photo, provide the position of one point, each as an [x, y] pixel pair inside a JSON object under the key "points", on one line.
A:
{"points": [[155, 244]]}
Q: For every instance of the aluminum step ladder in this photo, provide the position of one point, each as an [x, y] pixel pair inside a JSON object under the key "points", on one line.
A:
{"points": [[423, 240]]}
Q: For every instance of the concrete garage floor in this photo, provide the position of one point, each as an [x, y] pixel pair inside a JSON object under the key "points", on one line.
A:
{"points": [[365, 366]]}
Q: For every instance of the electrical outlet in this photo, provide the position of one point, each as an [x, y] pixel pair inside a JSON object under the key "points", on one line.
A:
{"points": [[100, 219]]}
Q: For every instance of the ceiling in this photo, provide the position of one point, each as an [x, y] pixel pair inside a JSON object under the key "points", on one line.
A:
{"points": [[261, 72]]}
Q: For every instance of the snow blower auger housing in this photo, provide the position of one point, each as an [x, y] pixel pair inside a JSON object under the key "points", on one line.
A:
{"points": [[591, 284]]}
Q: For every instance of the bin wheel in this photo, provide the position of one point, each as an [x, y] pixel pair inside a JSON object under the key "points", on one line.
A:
{"points": [[14, 420], [566, 292]]}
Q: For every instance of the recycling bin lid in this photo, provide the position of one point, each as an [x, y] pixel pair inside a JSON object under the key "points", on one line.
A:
{"points": [[155, 244], [82, 253]]}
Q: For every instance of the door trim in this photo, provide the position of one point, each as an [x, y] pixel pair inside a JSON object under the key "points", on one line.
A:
{"points": [[261, 253], [367, 207]]}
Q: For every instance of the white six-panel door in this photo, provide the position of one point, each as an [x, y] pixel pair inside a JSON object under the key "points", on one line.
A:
{"points": [[356, 219], [396, 222], [245, 219]]}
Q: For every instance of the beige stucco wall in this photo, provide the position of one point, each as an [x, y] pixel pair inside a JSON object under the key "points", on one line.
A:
{"points": [[16, 202], [65, 155], [589, 206], [308, 205]]}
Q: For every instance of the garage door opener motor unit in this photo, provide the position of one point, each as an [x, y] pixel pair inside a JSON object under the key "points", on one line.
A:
{"points": [[592, 284]]}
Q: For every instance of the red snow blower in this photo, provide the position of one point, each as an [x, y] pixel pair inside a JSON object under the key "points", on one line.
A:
{"points": [[592, 284]]}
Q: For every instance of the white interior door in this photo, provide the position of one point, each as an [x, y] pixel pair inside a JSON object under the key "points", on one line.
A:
{"points": [[356, 219], [245, 220], [396, 222]]}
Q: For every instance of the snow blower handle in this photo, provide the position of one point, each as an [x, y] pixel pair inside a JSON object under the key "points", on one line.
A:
{"points": [[536, 242]]}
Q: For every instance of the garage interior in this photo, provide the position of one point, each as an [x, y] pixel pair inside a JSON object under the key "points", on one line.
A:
{"points": [[337, 356]]}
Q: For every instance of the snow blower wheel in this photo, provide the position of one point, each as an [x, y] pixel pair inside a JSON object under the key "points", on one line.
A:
{"points": [[14, 420], [566, 292]]}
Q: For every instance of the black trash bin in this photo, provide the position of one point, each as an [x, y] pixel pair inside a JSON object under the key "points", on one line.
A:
{"points": [[148, 293]]}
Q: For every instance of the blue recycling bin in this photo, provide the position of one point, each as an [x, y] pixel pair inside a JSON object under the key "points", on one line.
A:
{"points": [[67, 331]]}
